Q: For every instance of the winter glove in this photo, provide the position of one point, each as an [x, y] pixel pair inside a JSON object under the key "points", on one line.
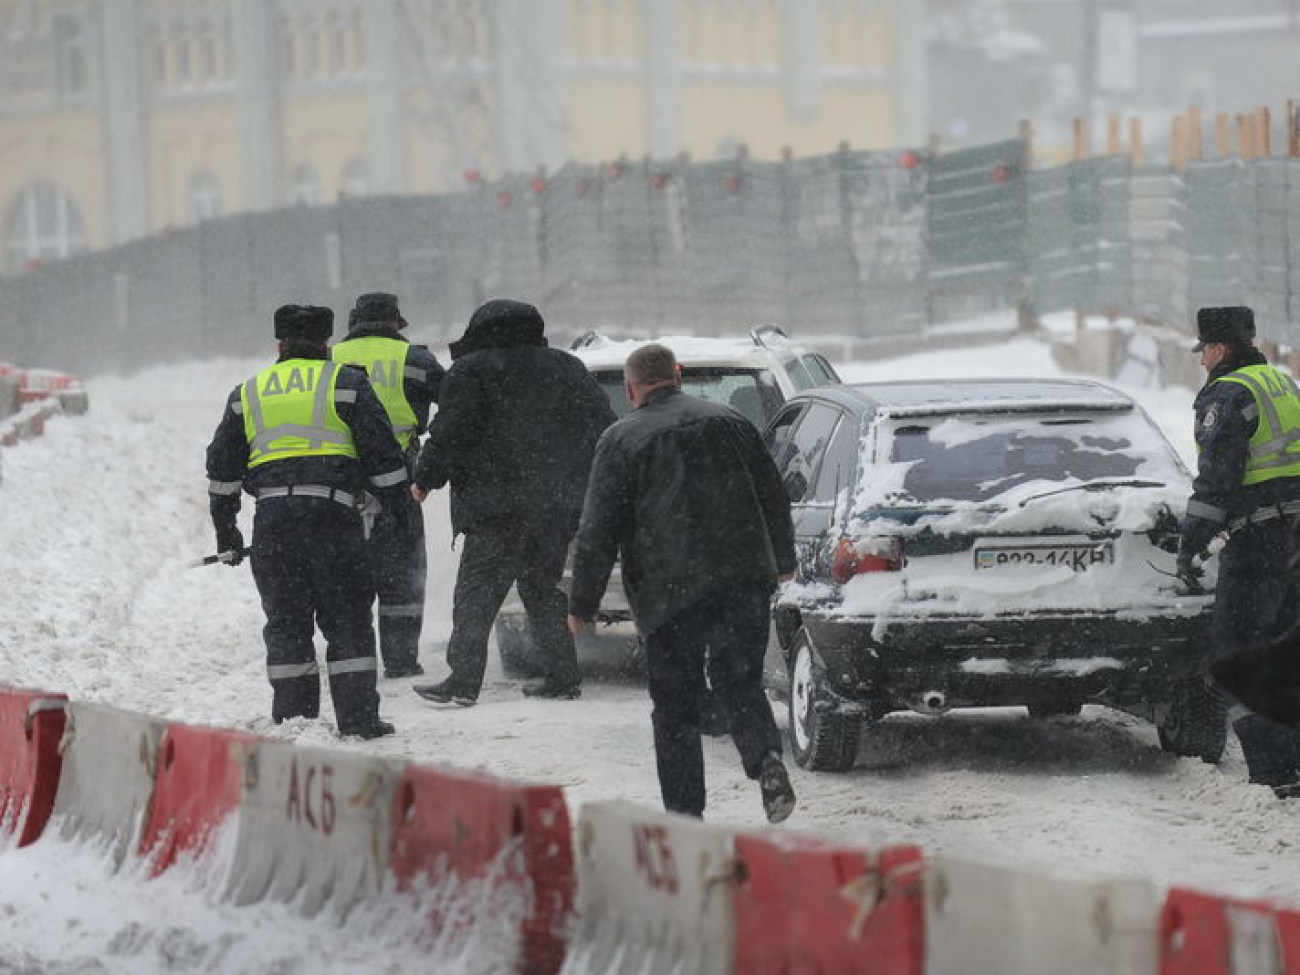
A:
{"points": [[1188, 572], [230, 540]]}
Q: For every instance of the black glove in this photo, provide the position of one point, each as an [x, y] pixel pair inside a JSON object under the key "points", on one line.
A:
{"points": [[1188, 572], [230, 539]]}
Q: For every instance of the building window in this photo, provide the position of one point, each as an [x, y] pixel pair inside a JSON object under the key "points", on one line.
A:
{"points": [[205, 196], [306, 186], [356, 179], [44, 224], [72, 53]]}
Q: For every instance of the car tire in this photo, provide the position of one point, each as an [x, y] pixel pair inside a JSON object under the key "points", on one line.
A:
{"points": [[515, 644], [1054, 709], [821, 738], [1195, 726]]}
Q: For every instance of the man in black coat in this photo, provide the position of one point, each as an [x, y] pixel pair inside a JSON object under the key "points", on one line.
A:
{"points": [[516, 427], [1248, 485], [686, 492], [306, 437], [406, 378]]}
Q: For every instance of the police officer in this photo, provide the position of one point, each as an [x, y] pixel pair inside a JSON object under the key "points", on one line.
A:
{"points": [[1247, 484], [305, 437], [406, 377]]}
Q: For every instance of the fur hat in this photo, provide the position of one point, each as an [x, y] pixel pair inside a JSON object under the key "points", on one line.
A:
{"points": [[311, 322], [1231, 324], [377, 306]]}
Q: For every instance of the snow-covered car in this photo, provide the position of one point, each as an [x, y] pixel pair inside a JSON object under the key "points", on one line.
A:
{"points": [[980, 543], [754, 375]]}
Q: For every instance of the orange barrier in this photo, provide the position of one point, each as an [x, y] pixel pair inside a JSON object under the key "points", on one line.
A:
{"points": [[198, 784], [1205, 934], [31, 728], [464, 822], [804, 905]]}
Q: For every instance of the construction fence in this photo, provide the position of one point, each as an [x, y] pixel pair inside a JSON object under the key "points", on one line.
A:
{"points": [[867, 245]]}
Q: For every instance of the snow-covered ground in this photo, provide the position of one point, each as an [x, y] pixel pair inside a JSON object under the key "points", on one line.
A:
{"points": [[97, 522]]}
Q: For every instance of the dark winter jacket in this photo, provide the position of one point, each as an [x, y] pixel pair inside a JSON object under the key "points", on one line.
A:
{"points": [[516, 426], [686, 493], [379, 467], [423, 370], [1225, 421]]}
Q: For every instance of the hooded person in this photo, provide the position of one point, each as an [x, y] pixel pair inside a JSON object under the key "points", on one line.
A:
{"points": [[513, 438], [406, 378], [1247, 487], [306, 437]]}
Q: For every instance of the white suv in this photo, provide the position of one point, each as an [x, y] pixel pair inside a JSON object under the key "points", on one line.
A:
{"points": [[753, 375]]}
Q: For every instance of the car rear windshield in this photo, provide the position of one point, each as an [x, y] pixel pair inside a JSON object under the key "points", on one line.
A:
{"points": [[751, 392], [982, 458]]}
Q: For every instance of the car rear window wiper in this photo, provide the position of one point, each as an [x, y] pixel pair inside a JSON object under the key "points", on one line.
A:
{"points": [[1093, 486]]}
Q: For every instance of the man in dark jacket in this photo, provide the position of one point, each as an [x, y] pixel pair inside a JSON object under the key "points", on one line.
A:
{"points": [[1247, 484], [306, 437], [685, 490], [514, 434], [406, 378]]}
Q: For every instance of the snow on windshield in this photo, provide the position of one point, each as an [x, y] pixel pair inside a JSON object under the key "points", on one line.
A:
{"points": [[1023, 473]]}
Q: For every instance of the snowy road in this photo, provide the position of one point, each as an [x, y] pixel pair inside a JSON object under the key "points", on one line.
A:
{"points": [[98, 518]]}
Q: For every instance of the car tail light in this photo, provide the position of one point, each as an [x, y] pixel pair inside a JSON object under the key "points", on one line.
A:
{"points": [[857, 555]]}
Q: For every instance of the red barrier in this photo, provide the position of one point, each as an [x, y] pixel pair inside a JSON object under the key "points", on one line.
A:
{"points": [[199, 783], [463, 821], [31, 727], [1205, 934], [804, 905]]}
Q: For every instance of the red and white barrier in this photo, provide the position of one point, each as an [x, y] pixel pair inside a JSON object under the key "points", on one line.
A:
{"points": [[315, 827], [988, 918], [461, 823], [31, 727], [1204, 934], [106, 781], [198, 785]]}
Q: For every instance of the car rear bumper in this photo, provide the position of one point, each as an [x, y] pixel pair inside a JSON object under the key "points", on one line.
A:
{"points": [[1010, 660]]}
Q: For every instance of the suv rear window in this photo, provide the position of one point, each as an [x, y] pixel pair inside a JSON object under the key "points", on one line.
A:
{"points": [[751, 392], [972, 458]]}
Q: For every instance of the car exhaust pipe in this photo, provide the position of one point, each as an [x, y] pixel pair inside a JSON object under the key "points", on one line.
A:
{"points": [[931, 702]]}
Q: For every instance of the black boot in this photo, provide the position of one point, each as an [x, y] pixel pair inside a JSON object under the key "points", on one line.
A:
{"points": [[447, 692]]}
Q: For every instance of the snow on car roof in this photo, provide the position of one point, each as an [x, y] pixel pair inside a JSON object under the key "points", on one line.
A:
{"points": [[918, 398], [602, 352]]}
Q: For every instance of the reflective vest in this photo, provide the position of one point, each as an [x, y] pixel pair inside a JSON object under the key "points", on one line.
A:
{"points": [[384, 361], [289, 412], [1274, 449]]}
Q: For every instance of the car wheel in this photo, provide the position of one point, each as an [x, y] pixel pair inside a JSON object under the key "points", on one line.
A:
{"points": [[1054, 709], [515, 644], [1195, 726], [821, 738]]}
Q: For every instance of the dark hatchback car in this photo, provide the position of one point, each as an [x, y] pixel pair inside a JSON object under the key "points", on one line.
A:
{"points": [[980, 543]]}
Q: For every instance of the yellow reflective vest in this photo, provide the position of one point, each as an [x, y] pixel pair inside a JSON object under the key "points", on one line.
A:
{"points": [[1274, 449], [289, 412], [384, 361]]}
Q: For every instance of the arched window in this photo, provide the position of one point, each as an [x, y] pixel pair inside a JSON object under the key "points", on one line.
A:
{"points": [[43, 224], [356, 179], [306, 186], [205, 195]]}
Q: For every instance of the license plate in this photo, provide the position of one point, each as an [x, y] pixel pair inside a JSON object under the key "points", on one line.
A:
{"points": [[1076, 557]]}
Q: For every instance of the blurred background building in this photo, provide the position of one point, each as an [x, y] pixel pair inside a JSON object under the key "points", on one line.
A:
{"points": [[122, 118]]}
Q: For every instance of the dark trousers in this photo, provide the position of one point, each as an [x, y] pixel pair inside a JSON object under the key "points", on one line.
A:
{"points": [[532, 559], [309, 563], [1255, 601], [726, 632], [400, 567]]}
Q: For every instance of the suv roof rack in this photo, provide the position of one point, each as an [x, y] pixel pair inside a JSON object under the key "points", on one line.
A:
{"points": [[587, 338], [773, 330]]}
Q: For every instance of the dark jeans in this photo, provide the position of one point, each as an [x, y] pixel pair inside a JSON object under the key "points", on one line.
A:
{"points": [[309, 563], [726, 632], [532, 559], [1255, 601], [400, 567]]}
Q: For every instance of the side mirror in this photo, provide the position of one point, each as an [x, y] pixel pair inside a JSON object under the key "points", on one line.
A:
{"points": [[796, 485]]}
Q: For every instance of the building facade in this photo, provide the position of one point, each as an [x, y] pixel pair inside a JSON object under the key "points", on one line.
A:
{"points": [[122, 118]]}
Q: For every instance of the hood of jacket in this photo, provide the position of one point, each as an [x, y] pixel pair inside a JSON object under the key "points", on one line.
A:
{"points": [[500, 324]]}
